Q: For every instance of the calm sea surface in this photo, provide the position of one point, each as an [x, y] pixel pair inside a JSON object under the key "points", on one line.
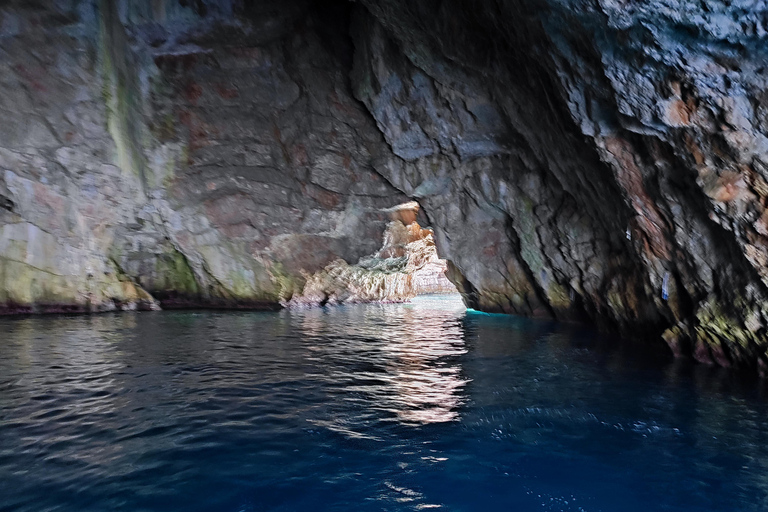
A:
{"points": [[364, 408]]}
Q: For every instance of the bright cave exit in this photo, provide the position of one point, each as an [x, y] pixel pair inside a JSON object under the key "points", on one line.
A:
{"points": [[405, 267]]}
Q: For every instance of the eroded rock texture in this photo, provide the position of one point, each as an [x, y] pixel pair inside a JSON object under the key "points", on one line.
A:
{"points": [[150, 153], [596, 161], [601, 160]]}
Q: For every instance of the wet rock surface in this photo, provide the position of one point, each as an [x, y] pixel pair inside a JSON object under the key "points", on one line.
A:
{"points": [[601, 162]]}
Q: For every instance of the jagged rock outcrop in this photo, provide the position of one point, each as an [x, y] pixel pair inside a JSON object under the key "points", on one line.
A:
{"points": [[407, 265], [596, 161]]}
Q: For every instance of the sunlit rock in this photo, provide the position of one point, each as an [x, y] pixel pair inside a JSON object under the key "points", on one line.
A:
{"points": [[407, 265]]}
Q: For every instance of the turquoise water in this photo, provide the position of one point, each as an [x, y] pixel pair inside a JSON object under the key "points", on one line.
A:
{"points": [[397, 407]]}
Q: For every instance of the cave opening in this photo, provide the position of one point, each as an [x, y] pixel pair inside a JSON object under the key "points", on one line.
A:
{"points": [[235, 166], [226, 152]]}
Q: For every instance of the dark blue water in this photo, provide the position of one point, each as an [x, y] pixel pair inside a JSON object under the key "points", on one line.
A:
{"points": [[357, 408]]}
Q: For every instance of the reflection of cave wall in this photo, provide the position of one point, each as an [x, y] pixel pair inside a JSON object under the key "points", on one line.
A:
{"points": [[597, 162]]}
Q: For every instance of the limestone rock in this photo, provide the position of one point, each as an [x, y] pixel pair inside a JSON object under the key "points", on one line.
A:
{"points": [[601, 162], [166, 154]]}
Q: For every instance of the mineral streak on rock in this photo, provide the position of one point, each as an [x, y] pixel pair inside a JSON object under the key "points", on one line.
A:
{"points": [[602, 161]]}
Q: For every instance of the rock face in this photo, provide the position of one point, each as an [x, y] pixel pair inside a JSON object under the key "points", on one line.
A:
{"points": [[595, 161], [151, 154], [602, 160]]}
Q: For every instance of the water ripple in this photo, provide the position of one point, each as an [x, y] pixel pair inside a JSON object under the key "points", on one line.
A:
{"points": [[400, 407]]}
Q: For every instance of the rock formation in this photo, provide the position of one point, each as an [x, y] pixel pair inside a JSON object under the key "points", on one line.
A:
{"points": [[407, 265], [599, 161]]}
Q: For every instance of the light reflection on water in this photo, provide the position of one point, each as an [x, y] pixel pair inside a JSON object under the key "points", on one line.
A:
{"points": [[364, 407], [404, 359]]}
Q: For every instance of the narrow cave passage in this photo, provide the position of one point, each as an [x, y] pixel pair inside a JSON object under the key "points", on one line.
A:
{"points": [[407, 241]]}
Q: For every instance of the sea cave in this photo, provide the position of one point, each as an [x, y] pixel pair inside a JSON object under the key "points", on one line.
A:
{"points": [[383, 255]]}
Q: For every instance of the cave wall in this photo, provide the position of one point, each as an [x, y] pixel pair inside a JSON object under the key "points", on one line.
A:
{"points": [[157, 154], [61, 188], [598, 161]]}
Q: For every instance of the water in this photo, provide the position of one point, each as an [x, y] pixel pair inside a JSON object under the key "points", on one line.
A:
{"points": [[364, 408]]}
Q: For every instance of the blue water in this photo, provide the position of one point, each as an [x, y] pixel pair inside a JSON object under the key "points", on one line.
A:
{"points": [[356, 408]]}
